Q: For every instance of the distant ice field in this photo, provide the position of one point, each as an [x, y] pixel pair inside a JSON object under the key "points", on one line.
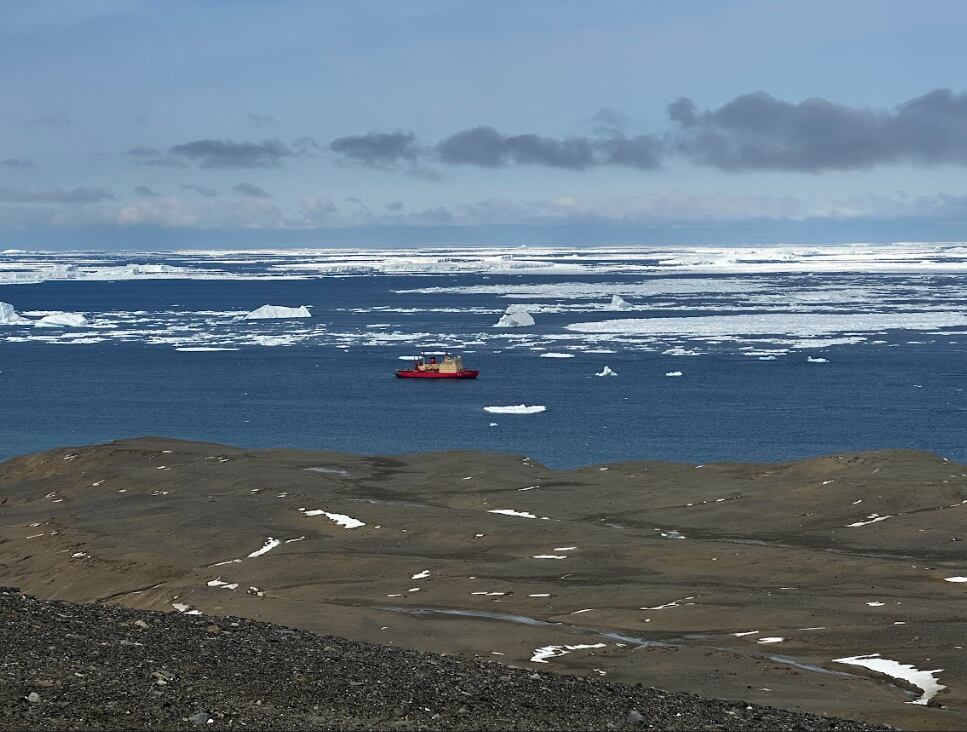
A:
{"points": [[783, 351]]}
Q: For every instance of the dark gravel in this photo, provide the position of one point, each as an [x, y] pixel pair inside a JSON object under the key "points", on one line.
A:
{"points": [[71, 666]]}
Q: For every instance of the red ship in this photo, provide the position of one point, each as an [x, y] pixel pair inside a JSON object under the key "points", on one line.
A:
{"points": [[451, 367]]}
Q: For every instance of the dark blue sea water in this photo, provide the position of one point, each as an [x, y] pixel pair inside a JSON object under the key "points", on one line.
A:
{"points": [[333, 387]]}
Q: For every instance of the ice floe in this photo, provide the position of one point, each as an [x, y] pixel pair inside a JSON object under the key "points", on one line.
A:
{"points": [[606, 371], [673, 373], [810, 359], [515, 317], [542, 654], [619, 303], [62, 320], [516, 409], [9, 316], [551, 354], [347, 522], [278, 312], [926, 681]]}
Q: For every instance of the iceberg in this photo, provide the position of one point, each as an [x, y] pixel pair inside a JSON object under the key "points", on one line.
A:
{"points": [[278, 312], [606, 371], [810, 359], [9, 316], [516, 316], [619, 303], [62, 320], [516, 409], [673, 373]]}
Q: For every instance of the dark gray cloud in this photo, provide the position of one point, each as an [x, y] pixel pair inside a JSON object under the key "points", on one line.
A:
{"points": [[229, 154], [200, 190], [378, 149], [759, 132], [252, 190], [487, 147], [54, 195], [17, 163], [145, 191]]}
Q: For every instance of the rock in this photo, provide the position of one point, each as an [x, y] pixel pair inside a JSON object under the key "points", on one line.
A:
{"points": [[33, 697], [200, 718], [141, 624], [634, 717], [162, 677]]}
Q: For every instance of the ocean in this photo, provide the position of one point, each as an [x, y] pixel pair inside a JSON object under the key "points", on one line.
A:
{"points": [[783, 352]]}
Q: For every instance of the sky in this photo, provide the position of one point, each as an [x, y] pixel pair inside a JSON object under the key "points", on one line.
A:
{"points": [[131, 124]]}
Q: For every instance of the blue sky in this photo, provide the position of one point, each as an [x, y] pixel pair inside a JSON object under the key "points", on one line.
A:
{"points": [[132, 124]]}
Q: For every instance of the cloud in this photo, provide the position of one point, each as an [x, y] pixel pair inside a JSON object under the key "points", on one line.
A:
{"points": [[229, 154], [262, 121], [200, 190], [377, 149], [142, 151], [168, 212], [760, 132], [307, 146], [55, 195], [250, 189], [487, 147], [17, 163], [145, 191]]}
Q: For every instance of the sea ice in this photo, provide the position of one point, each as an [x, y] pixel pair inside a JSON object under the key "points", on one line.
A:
{"points": [[619, 303], [810, 359], [557, 355], [515, 317], [606, 371], [673, 373], [516, 409], [9, 316], [62, 320], [923, 680], [278, 312]]}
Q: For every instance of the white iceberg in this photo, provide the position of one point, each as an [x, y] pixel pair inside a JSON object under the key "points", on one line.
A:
{"points": [[619, 303], [62, 320], [516, 409], [673, 373], [810, 359], [278, 312], [516, 316], [9, 316], [606, 371]]}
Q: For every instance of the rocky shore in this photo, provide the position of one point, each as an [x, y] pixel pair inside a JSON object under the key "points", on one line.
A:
{"points": [[76, 666]]}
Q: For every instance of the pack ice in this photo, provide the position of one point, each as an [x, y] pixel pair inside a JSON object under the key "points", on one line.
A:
{"points": [[619, 303], [278, 312], [8, 316], [516, 316], [62, 320]]}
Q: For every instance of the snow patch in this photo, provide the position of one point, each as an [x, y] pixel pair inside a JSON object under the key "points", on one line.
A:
{"points": [[345, 521], [923, 680], [268, 546], [545, 652], [521, 514]]}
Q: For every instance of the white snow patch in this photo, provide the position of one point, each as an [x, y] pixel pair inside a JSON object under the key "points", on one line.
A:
{"points": [[745, 633], [516, 409], [269, 545], [923, 680], [521, 514], [343, 520], [674, 603], [876, 604], [183, 608], [225, 585], [549, 556], [545, 652], [771, 639], [421, 575], [955, 579], [278, 312], [872, 519]]}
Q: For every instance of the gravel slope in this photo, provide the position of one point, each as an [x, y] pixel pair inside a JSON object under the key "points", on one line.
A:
{"points": [[70, 666]]}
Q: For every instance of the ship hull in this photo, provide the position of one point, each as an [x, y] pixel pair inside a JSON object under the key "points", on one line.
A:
{"points": [[465, 374]]}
